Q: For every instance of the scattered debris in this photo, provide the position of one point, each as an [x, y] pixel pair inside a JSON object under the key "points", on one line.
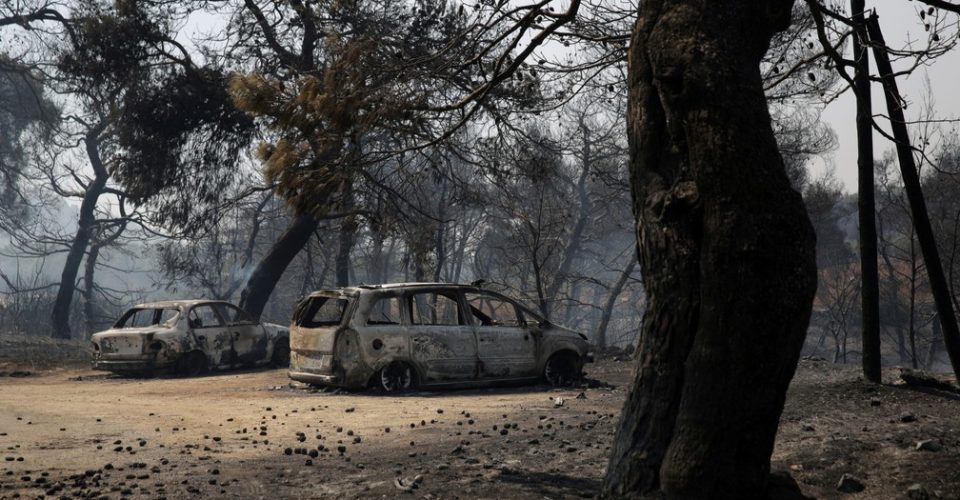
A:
{"points": [[918, 378], [850, 484], [558, 402], [408, 485], [917, 492], [907, 417], [929, 445]]}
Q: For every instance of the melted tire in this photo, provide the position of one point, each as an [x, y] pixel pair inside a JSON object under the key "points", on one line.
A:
{"points": [[281, 354], [192, 364], [563, 370]]}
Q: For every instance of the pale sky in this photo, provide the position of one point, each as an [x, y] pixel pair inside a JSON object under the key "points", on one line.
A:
{"points": [[900, 22]]}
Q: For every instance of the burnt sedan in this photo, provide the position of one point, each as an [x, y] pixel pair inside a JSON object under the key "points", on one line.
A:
{"points": [[400, 336], [188, 337]]}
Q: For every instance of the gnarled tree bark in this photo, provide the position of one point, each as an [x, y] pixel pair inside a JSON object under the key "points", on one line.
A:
{"points": [[726, 249]]}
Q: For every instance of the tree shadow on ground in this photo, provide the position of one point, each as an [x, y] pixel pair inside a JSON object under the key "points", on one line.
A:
{"points": [[441, 392], [951, 394], [552, 485]]}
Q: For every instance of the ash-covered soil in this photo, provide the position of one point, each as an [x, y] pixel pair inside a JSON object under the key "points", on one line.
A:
{"points": [[21, 355], [71, 432]]}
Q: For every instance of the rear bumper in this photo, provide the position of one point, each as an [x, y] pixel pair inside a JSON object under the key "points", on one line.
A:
{"points": [[318, 368], [316, 378]]}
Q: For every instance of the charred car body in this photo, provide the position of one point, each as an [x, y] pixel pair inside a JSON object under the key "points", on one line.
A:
{"points": [[188, 337], [399, 336]]}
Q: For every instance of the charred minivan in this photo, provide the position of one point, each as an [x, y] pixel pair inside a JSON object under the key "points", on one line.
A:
{"points": [[188, 337], [400, 336]]}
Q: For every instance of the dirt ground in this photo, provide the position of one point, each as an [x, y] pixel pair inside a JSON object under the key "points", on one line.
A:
{"points": [[72, 432]]}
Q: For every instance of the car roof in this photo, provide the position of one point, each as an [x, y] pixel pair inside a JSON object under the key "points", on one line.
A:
{"points": [[413, 285], [168, 304]]}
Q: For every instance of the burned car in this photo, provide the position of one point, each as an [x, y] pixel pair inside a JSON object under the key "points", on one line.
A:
{"points": [[188, 337], [400, 336]]}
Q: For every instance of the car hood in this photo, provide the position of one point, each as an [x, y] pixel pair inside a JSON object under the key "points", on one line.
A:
{"points": [[562, 331]]}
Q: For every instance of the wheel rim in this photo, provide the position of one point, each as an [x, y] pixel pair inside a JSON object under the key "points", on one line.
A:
{"points": [[396, 377]]}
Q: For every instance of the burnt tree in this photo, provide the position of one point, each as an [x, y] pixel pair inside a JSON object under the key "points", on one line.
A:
{"points": [[726, 249], [918, 207], [866, 204], [60, 316]]}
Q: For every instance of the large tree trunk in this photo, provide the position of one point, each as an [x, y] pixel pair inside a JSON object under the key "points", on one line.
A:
{"points": [[60, 317], [726, 249], [264, 279], [918, 207], [870, 278]]}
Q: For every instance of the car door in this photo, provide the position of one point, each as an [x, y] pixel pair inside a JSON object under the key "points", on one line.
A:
{"points": [[212, 333], [248, 337], [505, 346], [442, 344]]}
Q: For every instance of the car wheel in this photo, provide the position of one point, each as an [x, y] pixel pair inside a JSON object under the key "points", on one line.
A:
{"points": [[192, 364], [563, 369], [281, 353], [395, 377]]}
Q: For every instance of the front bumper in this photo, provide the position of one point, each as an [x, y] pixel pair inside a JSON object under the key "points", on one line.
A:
{"points": [[146, 363], [124, 366]]}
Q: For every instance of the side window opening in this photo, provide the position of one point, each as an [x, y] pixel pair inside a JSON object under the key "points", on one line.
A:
{"points": [[530, 318], [489, 310], [432, 308], [385, 311], [234, 315], [168, 317], [203, 316], [140, 318]]}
